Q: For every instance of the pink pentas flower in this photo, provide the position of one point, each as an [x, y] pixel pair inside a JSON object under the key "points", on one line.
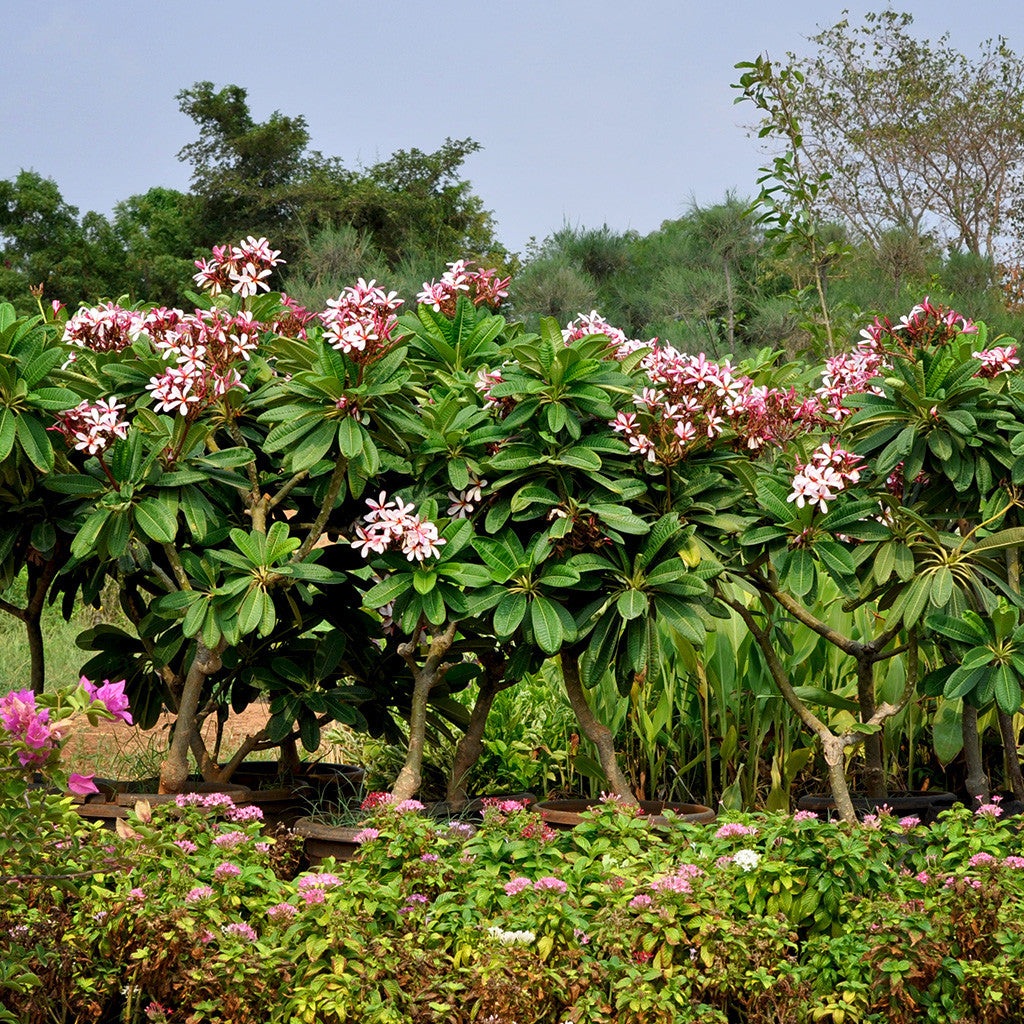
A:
{"points": [[318, 880], [226, 870], [734, 829], [240, 930], [366, 835], [281, 913], [230, 840], [516, 886], [200, 892], [550, 884], [805, 816]]}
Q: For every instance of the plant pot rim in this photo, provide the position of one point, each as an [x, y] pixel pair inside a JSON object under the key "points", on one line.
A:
{"points": [[567, 812], [313, 828]]}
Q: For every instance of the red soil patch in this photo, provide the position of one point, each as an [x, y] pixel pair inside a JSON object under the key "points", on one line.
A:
{"points": [[114, 749]]}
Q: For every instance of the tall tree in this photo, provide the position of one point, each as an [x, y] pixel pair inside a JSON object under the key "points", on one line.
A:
{"points": [[915, 134]]}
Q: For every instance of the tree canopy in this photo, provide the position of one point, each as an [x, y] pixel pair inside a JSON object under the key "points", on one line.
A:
{"points": [[913, 133]]}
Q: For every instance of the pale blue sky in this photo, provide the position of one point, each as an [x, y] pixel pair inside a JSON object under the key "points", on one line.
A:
{"points": [[590, 111]]}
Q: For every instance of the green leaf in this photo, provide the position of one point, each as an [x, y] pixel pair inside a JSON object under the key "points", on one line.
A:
{"points": [[546, 624], [1007, 689], [8, 423], [632, 604], [85, 539], [155, 520], [509, 614], [800, 572], [388, 590], [35, 442], [960, 630], [350, 437]]}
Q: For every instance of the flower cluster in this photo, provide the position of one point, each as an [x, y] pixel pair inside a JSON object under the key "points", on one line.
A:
{"points": [[996, 361], [521, 937], [482, 287], [391, 525], [360, 321], [92, 427], [292, 323], [679, 881], [106, 328], [693, 401], [733, 829], [242, 268], [463, 503], [586, 325], [828, 472], [848, 373], [205, 348], [27, 731], [111, 696], [28, 725]]}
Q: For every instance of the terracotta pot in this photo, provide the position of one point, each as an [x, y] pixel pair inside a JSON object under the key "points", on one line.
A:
{"points": [[566, 814], [322, 841], [925, 805]]}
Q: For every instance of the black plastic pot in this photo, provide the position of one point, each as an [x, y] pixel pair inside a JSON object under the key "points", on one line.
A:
{"points": [[925, 805]]}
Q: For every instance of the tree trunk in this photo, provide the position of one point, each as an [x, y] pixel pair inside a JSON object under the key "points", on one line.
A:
{"points": [[471, 746], [874, 768], [37, 653], [174, 770], [977, 783], [424, 680], [1013, 772], [598, 733], [835, 757]]}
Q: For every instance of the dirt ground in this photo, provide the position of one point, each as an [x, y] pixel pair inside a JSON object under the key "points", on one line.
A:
{"points": [[116, 750]]}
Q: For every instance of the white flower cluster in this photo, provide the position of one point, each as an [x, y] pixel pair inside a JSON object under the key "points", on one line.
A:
{"points": [[746, 860], [517, 938]]}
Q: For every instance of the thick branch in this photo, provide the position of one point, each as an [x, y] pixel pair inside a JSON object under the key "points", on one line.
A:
{"points": [[333, 487], [799, 612]]}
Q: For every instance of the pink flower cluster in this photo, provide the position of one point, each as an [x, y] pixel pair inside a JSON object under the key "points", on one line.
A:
{"points": [[681, 880], [693, 401], [318, 880], [391, 525], [734, 829], [206, 348], [828, 472], [996, 361], [240, 930], [28, 725], [242, 268], [849, 373], [92, 427], [360, 321], [482, 287], [106, 328], [293, 322], [111, 696]]}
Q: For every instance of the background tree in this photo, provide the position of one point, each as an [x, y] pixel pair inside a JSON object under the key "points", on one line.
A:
{"points": [[914, 134]]}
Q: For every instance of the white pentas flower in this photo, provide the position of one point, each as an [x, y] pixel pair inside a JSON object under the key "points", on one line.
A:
{"points": [[512, 938], [746, 860]]}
